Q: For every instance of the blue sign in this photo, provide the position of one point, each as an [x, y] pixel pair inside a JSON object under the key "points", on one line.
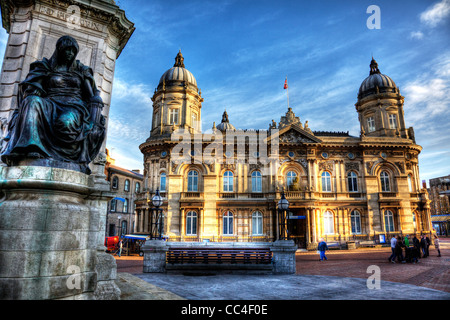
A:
{"points": [[296, 217]]}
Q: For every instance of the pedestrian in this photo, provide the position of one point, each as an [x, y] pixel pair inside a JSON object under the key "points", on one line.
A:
{"points": [[423, 246], [406, 241], [416, 244], [428, 245], [393, 243], [416, 250], [437, 245], [120, 247], [322, 247], [399, 250]]}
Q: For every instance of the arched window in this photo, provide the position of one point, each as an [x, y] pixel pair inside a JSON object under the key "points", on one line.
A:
{"points": [[384, 180], [191, 223], [328, 222], [352, 180], [115, 183], [256, 181], [113, 205], [389, 221], [125, 206], [162, 182], [193, 181], [326, 182], [127, 185], [137, 187], [290, 179], [410, 185], [228, 181], [257, 223], [228, 223], [355, 220]]}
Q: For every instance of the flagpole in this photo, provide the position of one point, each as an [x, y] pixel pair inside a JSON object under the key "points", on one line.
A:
{"points": [[287, 88]]}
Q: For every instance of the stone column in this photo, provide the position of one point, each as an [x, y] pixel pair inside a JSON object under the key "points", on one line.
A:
{"points": [[284, 257], [155, 256], [48, 238]]}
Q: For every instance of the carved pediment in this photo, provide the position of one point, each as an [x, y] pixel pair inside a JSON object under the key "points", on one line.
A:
{"points": [[297, 135]]}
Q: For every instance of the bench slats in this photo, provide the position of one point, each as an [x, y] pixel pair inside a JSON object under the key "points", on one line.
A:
{"points": [[219, 256]]}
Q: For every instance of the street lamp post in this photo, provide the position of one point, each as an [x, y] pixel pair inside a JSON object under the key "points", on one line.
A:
{"points": [[156, 219], [283, 207]]}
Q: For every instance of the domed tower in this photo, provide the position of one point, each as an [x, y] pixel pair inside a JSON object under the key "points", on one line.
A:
{"points": [[380, 106], [177, 101], [225, 125]]}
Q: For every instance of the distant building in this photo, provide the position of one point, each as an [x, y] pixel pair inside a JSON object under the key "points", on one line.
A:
{"points": [[340, 187], [125, 184], [440, 204]]}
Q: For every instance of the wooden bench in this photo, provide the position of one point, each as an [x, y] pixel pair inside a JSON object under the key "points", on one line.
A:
{"points": [[201, 258]]}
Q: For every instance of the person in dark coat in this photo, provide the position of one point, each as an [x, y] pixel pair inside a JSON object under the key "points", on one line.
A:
{"points": [[398, 250], [423, 246], [416, 250], [428, 245], [322, 247]]}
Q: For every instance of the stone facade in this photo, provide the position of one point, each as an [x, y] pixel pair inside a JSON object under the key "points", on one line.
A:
{"points": [[125, 185], [340, 187]]}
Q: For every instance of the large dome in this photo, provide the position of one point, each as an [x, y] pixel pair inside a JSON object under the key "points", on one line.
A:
{"points": [[376, 82], [178, 74]]}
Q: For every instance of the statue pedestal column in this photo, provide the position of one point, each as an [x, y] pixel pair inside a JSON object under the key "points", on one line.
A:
{"points": [[284, 257], [155, 256], [48, 234]]}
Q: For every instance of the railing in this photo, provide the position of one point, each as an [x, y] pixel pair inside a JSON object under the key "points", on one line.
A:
{"points": [[385, 195], [226, 195], [354, 195], [294, 195], [190, 195], [327, 195]]}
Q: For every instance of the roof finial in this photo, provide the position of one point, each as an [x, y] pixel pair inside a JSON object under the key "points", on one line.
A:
{"points": [[374, 67], [179, 60], [225, 117]]}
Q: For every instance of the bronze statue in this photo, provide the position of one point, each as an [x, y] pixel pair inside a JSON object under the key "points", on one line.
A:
{"points": [[58, 121]]}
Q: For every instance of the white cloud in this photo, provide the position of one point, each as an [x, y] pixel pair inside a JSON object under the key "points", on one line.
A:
{"points": [[416, 35], [135, 93], [435, 14]]}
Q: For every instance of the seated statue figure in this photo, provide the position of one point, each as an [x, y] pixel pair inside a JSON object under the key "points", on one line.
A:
{"points": [[58, 121]]}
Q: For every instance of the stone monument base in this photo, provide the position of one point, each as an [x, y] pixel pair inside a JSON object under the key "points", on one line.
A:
{"points": [[49, 235]]}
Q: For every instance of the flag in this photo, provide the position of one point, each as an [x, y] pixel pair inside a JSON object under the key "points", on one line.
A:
{"points": [[285, 84]]}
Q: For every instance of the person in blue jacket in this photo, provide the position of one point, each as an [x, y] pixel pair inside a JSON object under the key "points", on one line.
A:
{"points": [[322, 247]]}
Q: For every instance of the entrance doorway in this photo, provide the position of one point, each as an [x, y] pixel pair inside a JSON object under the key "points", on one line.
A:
{"points": [[297, 227]]}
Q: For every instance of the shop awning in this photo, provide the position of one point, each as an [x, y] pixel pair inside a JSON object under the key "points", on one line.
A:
{"points": [[440, 218]]}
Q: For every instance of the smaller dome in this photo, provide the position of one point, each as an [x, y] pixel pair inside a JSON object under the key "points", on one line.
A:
{"points": [[376, 82], [178, 73], [225, 124]]}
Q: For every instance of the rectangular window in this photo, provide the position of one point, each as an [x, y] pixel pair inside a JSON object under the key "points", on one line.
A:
{"points": [[371, 124], [195, 121], [173, 116], [162, 183], [393, 121]]}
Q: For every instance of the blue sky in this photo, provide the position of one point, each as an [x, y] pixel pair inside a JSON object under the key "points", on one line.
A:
{"points": [[241, 51]]}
